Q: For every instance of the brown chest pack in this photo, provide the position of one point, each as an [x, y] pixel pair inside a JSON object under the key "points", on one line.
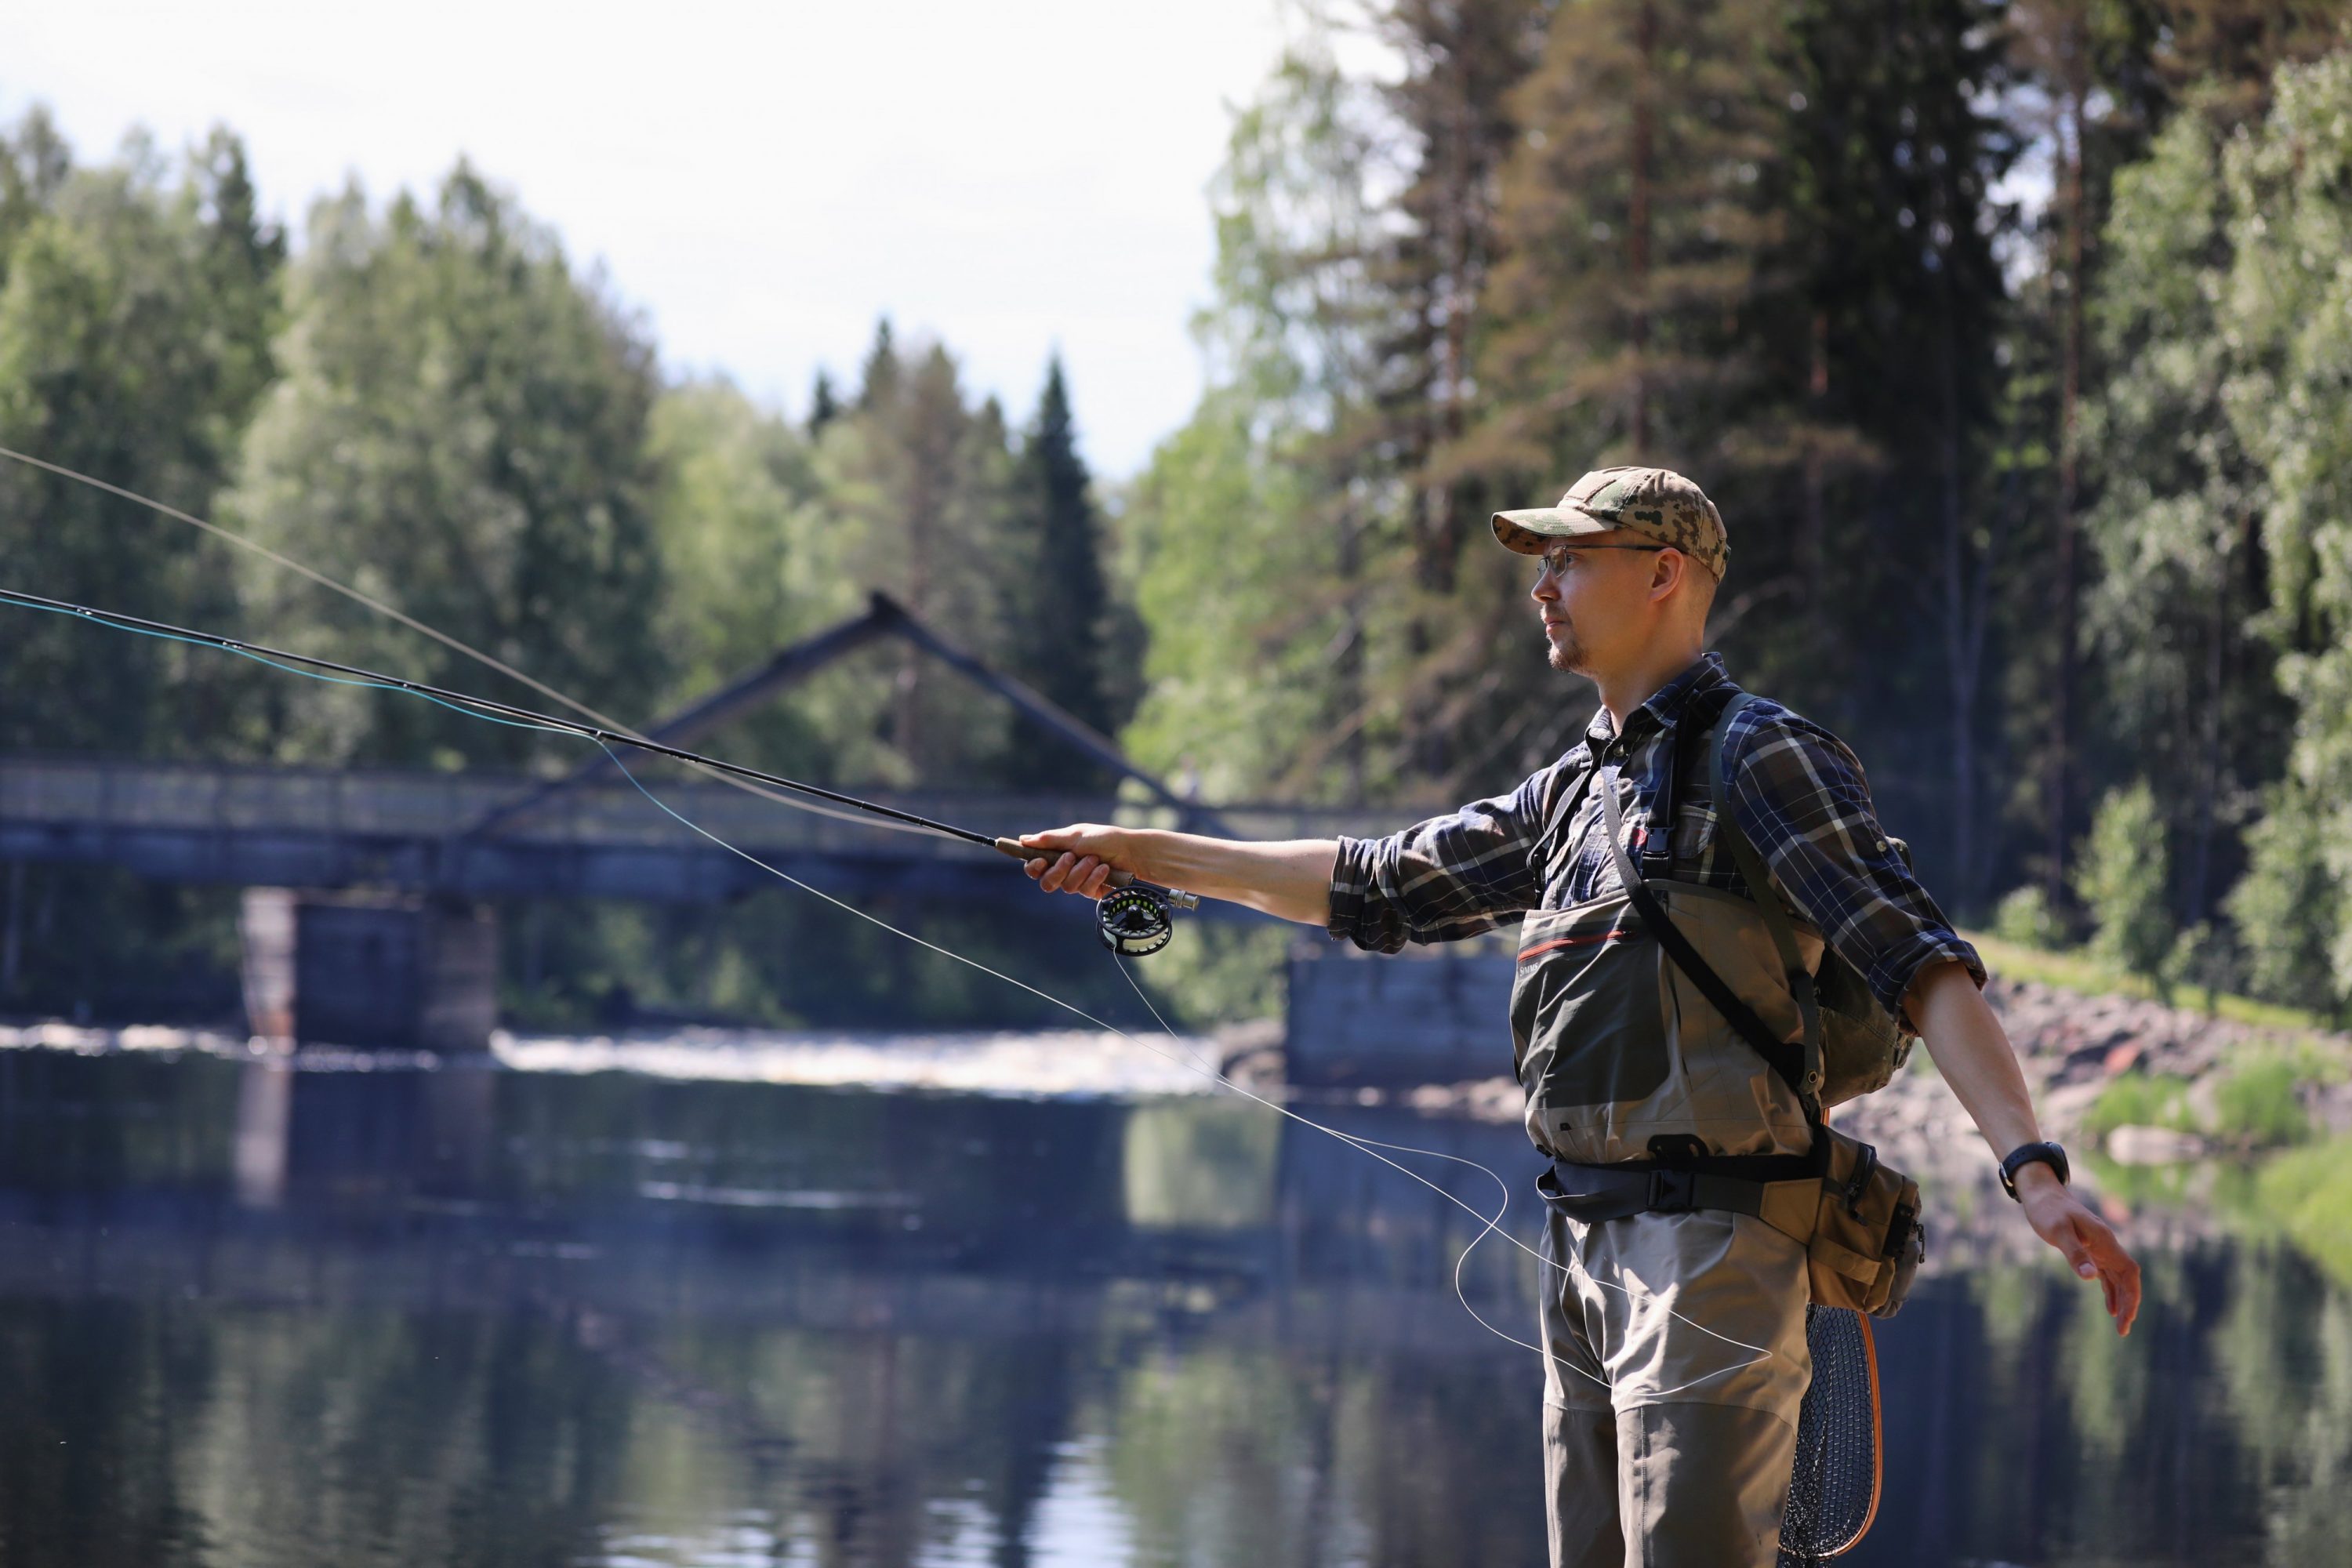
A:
{"points": [[1857, 1218]]}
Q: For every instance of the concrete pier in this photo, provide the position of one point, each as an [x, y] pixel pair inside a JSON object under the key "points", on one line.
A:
{"points": [[1362, 1020], [373, 971]]}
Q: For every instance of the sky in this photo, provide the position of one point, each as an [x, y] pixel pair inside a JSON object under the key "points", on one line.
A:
{"points": [[760, 182]]}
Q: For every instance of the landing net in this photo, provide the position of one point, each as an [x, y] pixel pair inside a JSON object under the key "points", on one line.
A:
{"points": [[1834, 1492]]}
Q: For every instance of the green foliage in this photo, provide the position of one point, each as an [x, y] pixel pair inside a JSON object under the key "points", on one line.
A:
{"points": [[1758, 240], [2288, 907], [2121, 879], [135, 322], [2024, 916], [1220, 545], [137, 304], [461, 431], [1061, 611], [2231, 277], [2309, 1194], [2177, 614], [2258, 1102], [2139, 1099], [2206, 957], [749, 564], [1221, 973]]}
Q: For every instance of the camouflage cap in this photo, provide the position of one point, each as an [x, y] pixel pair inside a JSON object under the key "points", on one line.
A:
{"points": [[1656, 503]]}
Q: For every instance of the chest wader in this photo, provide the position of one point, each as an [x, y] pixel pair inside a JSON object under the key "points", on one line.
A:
{"points": [[1670, 1038]]}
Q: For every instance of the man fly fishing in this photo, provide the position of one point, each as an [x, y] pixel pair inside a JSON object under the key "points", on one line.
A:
{"points": [[1689, 879]]}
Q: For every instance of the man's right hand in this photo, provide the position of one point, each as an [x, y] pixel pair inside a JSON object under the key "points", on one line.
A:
{"points": [[1088, 852], [1291, 880]]}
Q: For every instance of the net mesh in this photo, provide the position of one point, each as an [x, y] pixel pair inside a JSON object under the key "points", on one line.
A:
{"points": [[1834, 1490]]}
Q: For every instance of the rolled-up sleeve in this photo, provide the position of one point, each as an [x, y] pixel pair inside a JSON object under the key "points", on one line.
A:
{"points": [[1448, 878], [1799, 796]]}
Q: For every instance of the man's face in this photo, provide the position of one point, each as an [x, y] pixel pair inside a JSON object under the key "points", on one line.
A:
{"points": [[1592, 593]]}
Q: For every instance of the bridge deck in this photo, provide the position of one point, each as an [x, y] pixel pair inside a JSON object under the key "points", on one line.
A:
{"points": [[321, 829]]}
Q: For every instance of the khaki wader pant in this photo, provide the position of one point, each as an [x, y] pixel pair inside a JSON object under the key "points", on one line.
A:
{"points": [[1679, 1457], [1666, 1445]]}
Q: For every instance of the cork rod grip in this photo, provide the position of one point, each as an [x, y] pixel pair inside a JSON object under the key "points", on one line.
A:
{"points": [[1014, 847]]}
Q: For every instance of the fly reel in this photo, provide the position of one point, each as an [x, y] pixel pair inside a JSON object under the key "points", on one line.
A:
{"points": [[1134, 922], [1135, 918]]}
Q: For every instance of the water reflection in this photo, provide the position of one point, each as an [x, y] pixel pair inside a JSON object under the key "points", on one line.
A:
{"points": [[256, 1316]]}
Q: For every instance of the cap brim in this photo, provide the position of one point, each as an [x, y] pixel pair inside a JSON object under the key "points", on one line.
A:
{"points": [[1531, 531]]}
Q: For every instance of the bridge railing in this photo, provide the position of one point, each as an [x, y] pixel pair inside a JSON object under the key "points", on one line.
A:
{"points": [[413, 805]]}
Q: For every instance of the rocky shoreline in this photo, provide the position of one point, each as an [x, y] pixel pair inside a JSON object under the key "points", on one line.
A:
{"points": [[2073, 1048]]}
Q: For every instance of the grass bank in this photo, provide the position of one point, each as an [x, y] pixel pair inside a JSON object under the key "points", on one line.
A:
{"points": [[2308, 1193], [2081, 972]]}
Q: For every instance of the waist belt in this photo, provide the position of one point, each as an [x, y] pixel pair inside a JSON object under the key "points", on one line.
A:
{"points": [[1590, 1193]]}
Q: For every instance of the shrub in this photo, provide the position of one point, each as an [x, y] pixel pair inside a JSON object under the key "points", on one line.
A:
{"points": [[2257, 1103], [2288, 905], [2024, 916], [2206, 956], [2135, 1099], [2309, 1193], [2121, 880]]}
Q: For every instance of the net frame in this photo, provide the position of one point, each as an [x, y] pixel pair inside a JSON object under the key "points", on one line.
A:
{"points": [[1840, 1463]]}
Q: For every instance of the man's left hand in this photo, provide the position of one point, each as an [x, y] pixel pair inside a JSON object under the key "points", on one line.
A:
{"points": [[2092, 1250]]}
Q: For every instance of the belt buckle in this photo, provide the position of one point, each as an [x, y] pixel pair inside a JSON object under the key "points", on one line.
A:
{"points": [[1673, 1190]]}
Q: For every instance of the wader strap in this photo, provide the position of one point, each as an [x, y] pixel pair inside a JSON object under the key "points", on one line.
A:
{"points": [[1788, 1061], [1759, 877], [1560, 812], [1590, 1193]]}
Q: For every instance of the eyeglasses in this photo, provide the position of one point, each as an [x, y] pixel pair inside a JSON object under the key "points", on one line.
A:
{"points": [[1556, 559]]}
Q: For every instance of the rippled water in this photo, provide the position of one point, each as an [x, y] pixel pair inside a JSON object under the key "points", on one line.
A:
{"points": [[251, 1316]]}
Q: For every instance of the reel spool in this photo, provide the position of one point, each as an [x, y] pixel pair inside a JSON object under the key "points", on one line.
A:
{"points": [[1134, 920]]}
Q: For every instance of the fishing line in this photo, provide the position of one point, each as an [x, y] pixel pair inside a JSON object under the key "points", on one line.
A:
{"points": [[490, 661], [606, 731], [483, 707], [470, 706], [1366, 1146], [1490, 1224]]}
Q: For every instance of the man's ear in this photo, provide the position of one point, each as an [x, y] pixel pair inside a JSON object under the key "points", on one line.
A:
{"points": [[1667, 571]]}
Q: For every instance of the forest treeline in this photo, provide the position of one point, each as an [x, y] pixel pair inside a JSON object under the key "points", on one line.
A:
{"points": [[2013, 339]]}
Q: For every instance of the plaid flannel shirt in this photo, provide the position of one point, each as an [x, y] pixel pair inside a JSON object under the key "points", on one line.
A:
{"points": [[1795, 790]]}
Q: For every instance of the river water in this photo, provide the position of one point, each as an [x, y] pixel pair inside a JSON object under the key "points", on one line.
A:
{"points": [[252, 1317]]}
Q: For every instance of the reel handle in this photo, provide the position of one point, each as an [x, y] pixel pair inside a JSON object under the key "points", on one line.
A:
{"points": [[1176, 898]]}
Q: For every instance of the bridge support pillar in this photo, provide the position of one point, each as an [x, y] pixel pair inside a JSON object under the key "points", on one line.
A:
{"points": [[373, 971]]}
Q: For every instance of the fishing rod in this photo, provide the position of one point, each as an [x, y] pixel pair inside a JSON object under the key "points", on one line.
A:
{"points": [[1133, 920]]}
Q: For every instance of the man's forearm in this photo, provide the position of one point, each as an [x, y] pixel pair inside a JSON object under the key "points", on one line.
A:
{"points": [[1973, 1051], [1290, 880]]}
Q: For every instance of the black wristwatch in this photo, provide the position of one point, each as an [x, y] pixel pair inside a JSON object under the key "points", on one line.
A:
{"points": [[2048, 1155]]}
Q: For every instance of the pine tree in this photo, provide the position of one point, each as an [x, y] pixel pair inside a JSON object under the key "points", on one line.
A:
{"points": [[1890, 337], [1063, 615], [877, 383], [1463, 58], [824, 406], [2224, 52], [1451, 110], [1634, 212]]}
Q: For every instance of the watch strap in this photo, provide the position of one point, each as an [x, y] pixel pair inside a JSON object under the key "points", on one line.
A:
{"points": [[2025, 1155]]}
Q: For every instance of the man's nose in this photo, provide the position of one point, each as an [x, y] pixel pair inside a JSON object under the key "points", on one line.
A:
{"points": [[1547, 588]]}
